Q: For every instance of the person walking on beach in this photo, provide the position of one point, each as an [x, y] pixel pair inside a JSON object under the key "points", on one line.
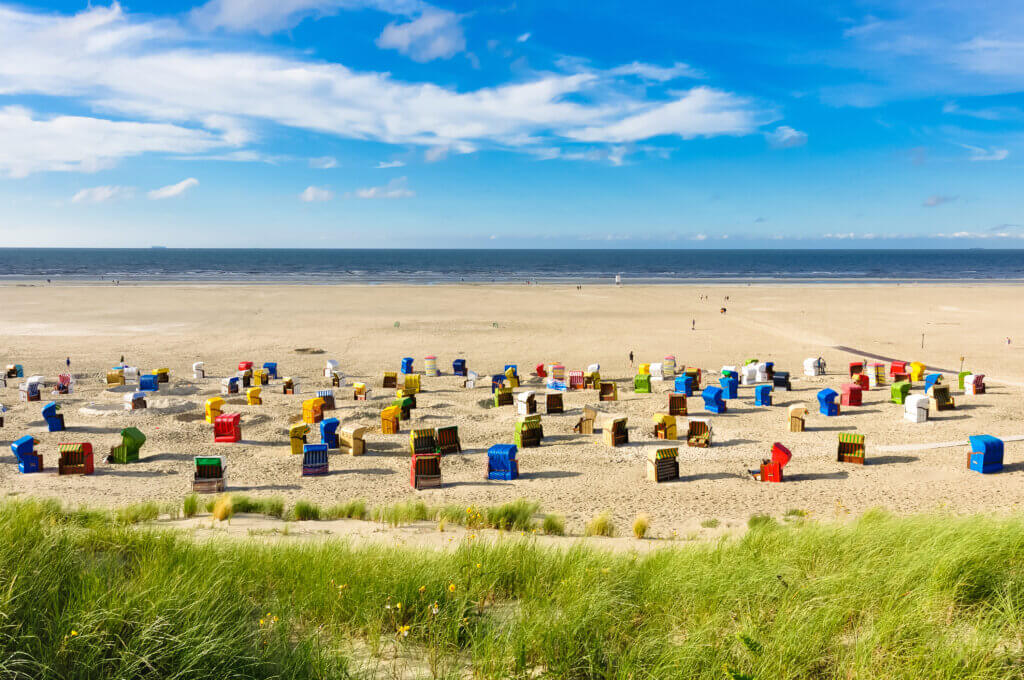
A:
{"points": [[631, 358], [68, 362], [693, 324]]}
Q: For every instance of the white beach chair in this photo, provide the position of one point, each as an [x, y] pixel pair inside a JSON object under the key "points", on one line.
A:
{"points": [[522, 401], [594, 368], [657, 372], [916, 408], [199, 370], [748, 376], [131, 373], [470, 382], [331, 368]]}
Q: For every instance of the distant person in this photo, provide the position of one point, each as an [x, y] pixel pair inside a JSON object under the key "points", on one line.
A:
{"points": [[68, 362], [122, 360], [630, 357], [693, 325]]}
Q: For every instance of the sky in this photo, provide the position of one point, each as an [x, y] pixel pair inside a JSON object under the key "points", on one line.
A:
{"points": [[518, 124]]}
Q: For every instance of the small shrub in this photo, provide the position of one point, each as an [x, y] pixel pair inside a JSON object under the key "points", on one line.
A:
{"points": [[641, 524], [761, 522], [274, 507], [601, 525], [191, 505], [223, 508], [709, 523], [553, 525], [139, 512], [304, 511]]}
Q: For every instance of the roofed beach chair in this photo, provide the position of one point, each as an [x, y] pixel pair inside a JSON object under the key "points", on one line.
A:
{"points": [[288, 386], [128, 450], [771, 469], [29, 460], [229, 385], [327, 396], [459, 367], [664, 426], [851, 448], [329, 432], [585, 425], [974, 384], [852, 395], [915, 408], [389, 420], [425, 471], [730, 387], [609, 392], [390, 380], [297, 437], [797, 414], [115, 376], [960, 379], [448, 439], [271, 368], [684, 385], [677, 404], [502, 463], [213, 408], [615, 432], [986, 454], [575, 381], [430, 366], [149, 383], [931, 379], [75, 459], [227, 428], [553, 403], [642, 383], [199, 370], [526, 403], [503, 396], [663, 464], [252, 396], [423, 441], [210, 474], [698, 432], [814, 367], [827, 405], [780, 380], [899, 391], [313, 410], [405, 368], [941, 399], [315, 460], [917, 370], [713, 400], [350, 440], [54, 419], [529, 432], [135, 401], [763, 395]]}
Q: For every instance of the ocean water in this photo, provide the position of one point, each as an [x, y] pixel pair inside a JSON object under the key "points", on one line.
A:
{"points": [[452, 266]]}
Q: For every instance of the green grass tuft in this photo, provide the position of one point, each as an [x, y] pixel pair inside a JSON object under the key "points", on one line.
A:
{"points": [[710, 523], [601, 525], [553, 525]]}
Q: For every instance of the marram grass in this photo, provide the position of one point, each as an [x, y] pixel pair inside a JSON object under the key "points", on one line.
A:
{"points": [[881, 597]]}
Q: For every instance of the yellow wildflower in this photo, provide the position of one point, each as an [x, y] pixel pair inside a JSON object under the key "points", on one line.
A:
{"points": [[451, 587]]}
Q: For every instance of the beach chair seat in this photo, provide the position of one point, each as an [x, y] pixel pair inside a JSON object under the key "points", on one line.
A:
{"points": [[315, 459], [899, 391], [941, 400], [448, 439], [459, 367], [852, 395], [128, 450], [29, 459], [329, 432], [664, 426], [856, 368], [698, 432], [526, 403], [771, 469], [313, 410], [297, 433], [425, 471], [730, 387], [54, 419], [288, 386], [615, 432], [214, 407], [252, 396], [642, 383], [75, 459], [502, 463], [227, 428], [684, 385], [827, 405], [663, 464], [763, 395], [916, 408], [986, 454], [553, 403], [851, 448], [974, 384], [389, 420], [503, 396], [390, 380], [797, 413], [271, 368], [405, 367], [210, 474], [713, 401], [609, 392]]}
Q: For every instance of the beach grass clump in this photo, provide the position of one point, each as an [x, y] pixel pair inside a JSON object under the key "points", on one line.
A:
{"points": [[223, 508], [710, 523], [641, 524], [304, 511], [517, 515], [761, 521], [190, 506], [601, 524], [351, 510], [553, 525], [930, 596], [137, 512]]}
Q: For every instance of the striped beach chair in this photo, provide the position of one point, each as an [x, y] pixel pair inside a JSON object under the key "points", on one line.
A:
{"points": [[75, 459], [576, 380], [328, 398], [425, 471], [210, 474], [448, 439], [663, 465], [315, 460], [851, 448], [698, 432], [423, 441], [297, 437]]}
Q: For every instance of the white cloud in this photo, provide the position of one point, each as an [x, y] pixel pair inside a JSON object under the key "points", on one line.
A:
{"points": [[434, 34], [699, 112], [524, 37], [660, 74], [202, 99], [980, 154], [271, 16], [383, 165], [316, 194], [396, 188], [173, 190], [937, 200], [31, 144], [102, 194], [323, 163], [785, 137]]}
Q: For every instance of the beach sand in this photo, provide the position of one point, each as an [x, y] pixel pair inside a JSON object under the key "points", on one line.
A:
{"points": [[491, 325]]}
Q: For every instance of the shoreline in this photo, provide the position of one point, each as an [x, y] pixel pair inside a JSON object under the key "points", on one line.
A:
{"points": [[521, 284]]}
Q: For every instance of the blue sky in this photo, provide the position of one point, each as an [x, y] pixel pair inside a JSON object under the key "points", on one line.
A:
{"points": [[377, 123]]}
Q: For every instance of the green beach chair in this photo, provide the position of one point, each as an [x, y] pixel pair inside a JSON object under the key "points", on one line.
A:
{"points": [[132, 440], [899, 391]]}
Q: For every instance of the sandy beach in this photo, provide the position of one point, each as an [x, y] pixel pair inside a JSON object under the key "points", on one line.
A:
{"points": [[369, 328]]}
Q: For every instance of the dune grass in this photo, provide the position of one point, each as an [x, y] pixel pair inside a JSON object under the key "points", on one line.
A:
{"points": [[878, 597]]}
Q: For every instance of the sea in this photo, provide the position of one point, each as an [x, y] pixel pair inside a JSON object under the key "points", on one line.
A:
{"points": [[382, 266]]}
